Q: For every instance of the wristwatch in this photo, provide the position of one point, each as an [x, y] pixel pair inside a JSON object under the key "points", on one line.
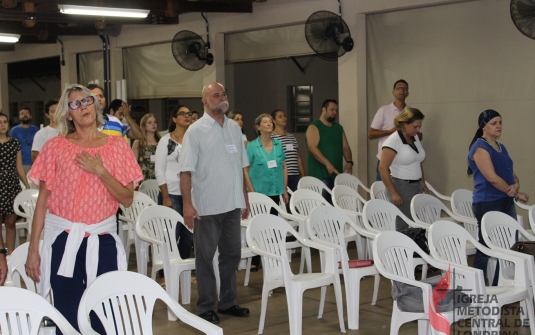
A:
{"points": [[3, 251], [350, 162]]}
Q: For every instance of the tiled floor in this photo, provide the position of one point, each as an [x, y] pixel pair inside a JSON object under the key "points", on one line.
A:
{"points": [[374, 320]]}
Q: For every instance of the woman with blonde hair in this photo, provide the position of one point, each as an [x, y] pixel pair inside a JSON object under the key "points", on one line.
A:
{"points": [[83, 175], [401, 166], [145, 148]]}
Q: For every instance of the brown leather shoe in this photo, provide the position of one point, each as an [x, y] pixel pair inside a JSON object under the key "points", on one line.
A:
{"points": [[235, 311]]}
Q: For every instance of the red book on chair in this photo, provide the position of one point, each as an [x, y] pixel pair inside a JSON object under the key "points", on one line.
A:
{"points": [[357, 263]]}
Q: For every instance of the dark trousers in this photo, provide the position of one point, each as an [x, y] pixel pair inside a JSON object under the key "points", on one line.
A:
{"points": [[330, 184], [505, 205], [223, 232], [183, 236], [68, 291]]}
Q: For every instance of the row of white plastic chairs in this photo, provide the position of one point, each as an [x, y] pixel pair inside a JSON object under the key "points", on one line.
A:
{"points": [[123, 301], [393, 254], [302, 207]]}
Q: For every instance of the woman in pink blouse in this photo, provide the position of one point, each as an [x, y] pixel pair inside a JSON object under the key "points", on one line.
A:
{"points": [[82, 175]]}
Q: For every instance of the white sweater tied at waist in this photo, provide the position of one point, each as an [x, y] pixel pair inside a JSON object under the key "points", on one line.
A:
{"points": [[55, 225]]}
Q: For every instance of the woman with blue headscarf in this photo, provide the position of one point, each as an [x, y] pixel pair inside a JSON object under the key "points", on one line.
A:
{"points": [[495, 182]]}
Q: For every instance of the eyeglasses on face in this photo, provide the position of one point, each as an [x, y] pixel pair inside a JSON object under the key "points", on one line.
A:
{"points": [[402, 88], [24, 113], [87, 101], [188, 114]]}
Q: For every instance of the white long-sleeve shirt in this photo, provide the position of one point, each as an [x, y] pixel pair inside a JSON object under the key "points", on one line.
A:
{"points": [[166, 164]]}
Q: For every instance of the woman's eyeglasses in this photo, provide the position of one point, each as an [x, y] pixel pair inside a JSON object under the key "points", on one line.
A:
{"points": [[188, 114], [87, 101]]}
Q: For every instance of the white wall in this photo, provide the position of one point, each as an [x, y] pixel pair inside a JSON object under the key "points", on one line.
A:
{"points": [[459, 60]]}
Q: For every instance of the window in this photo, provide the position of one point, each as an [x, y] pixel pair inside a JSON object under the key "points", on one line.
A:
{"points": [[300, 106]]}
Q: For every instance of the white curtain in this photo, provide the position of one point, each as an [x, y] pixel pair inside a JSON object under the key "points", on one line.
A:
{"points": [[91, 68], [270, 43], [152, 72], [459, 60]]}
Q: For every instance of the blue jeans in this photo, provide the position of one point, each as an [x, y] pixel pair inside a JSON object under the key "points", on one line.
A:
{"points": [[330, 184], [293, 180], [505, 205], [377, 174], [184, 237]]}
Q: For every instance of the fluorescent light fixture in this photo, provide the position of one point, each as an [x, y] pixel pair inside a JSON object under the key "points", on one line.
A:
{"points": [[103, 11], [9, 38]]}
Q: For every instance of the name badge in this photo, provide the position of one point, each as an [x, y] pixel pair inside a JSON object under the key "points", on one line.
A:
{"points": [[272, 164], [153, 158], [231, 149], [290, 147]]}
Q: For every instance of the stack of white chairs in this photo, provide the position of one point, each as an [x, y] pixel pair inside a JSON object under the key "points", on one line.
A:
{"points": [[22, 311], [150, 187], [326, 226], [124, 303], [266, 236], [380, 215], [157, 225], [351, 203], [394, 259], [350, 180], [129, 217], [447, 242], [378, 191], [426, 209]]}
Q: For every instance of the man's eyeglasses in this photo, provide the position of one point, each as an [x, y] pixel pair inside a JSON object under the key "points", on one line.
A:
{"points": [[402, 88], [188, 114], [24, 114], [87, 101]]}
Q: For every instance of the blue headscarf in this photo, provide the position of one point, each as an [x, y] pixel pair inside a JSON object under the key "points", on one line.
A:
{"points": [[482, 121]]}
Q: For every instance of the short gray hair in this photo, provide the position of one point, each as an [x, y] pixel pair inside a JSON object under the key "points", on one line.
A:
{"points": [[65, 126]]}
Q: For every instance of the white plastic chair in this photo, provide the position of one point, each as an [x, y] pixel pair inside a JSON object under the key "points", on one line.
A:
{"points": [[394, 258], [266, 235], [157, 226], [350, 180], [150, 187], [378, 191], [380, 215], [27, 200], [461, 203], [301, 205], [130, 215], [426, 209], [21, 313], [525, 208], [32, 185], [351, 203], [313, 184], [124, 302], [262, 204], [447, 242], [327, 225], [436, 193], [499, 232]]}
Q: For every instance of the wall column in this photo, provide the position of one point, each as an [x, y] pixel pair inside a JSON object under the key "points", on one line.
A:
{"points": [[352, 91], [4, 89]]}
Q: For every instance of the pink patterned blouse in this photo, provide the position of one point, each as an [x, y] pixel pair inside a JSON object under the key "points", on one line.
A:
{"points": [[77, 195]]}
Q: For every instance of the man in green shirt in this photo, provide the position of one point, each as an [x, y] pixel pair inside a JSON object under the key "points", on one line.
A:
{"points": [[327, 147]]}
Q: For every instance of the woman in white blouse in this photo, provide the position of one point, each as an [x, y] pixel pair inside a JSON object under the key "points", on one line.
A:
{"points": [[401, 166], [166, 170]]}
